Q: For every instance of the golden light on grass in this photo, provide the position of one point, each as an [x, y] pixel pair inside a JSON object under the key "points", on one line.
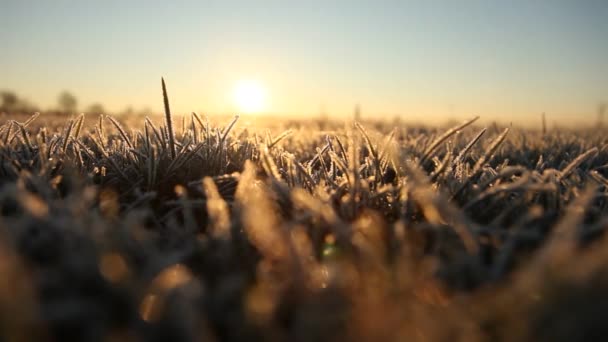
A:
{"points": [[249, 96], [172, 277], [34, 205], [113, 267], [153, 304], [151, 308]]}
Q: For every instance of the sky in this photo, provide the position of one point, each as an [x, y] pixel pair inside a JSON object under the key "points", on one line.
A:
{"points": [[505, 60]]}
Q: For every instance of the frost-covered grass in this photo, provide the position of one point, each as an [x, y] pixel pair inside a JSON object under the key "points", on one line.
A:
{"points": [[328, 231]]}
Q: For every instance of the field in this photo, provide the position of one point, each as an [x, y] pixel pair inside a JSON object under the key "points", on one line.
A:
{"points": [[171, 229]]}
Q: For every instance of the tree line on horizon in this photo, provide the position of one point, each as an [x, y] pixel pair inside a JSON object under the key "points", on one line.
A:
{"points": [[67, 103]]}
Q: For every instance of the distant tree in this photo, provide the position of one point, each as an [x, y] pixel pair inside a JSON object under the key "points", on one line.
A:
{"points": [[96, 108], [601, 111], [67, 102], [10, 101], [25, 106], [128, 111]]}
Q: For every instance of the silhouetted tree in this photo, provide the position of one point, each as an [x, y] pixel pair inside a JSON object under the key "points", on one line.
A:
{"points": [[67, 102], [145, 111], [9, 101], [601, 110], [128, 111], [96, 108]]}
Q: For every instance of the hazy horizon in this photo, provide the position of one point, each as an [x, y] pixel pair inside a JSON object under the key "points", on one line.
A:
{"points": [[432, 59]]}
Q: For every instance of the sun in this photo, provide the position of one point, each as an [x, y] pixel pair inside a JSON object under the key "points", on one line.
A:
{"points": [[249, 96]]}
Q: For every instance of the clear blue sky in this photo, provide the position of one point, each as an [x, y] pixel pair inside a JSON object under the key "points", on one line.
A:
{"points": [[498, 59]]}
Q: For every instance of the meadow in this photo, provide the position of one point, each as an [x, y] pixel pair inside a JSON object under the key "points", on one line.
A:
{"points": [[178, 228]]}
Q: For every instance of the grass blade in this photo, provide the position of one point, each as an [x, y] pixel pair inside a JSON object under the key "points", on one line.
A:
{"points": [[168, 120], [122, 132], [444, 137]]}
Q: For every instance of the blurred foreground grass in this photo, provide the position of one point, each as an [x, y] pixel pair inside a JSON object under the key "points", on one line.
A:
{"points": [[311, 231]]}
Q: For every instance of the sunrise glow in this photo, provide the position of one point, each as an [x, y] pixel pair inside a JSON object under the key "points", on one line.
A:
{"points": [[249, 96]]}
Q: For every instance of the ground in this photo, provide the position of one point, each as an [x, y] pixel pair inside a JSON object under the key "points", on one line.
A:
{"points": [[122, 229]]}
